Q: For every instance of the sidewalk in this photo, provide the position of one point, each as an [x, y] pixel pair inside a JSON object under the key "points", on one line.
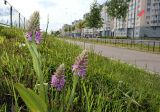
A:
{"points": [[144, 60]]}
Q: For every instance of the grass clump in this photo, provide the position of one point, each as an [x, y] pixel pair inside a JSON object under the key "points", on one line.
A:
{"points": [[11, 33]]}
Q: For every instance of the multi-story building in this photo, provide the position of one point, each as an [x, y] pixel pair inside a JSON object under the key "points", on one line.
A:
{"points": [[107, 23], [143, 20], [119, 28]]}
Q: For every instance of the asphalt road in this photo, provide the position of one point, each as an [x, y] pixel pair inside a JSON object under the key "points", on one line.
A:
{"points": [[147, 61]]}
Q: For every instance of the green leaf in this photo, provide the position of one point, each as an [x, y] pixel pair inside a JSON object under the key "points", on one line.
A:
{"points": [[34, 102], [37, 66]]}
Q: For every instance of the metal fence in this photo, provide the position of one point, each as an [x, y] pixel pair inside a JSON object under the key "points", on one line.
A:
{"points": [[9, 16], [146, 45]]}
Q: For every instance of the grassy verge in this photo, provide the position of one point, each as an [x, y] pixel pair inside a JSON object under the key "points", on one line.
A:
{"points": [[118, 86], [133, 46]]}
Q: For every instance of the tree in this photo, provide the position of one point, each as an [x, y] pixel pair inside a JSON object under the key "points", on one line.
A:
{"points": [[117, 8], [56, 33], [94, 20], [80, 25], [73, 27], [66, 30]]}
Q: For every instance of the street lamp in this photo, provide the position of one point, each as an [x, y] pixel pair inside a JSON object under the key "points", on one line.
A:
{"points": [[5, 2]]}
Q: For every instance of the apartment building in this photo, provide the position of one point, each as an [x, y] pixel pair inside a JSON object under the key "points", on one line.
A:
{"points": [[143, 20], [107, 23]]}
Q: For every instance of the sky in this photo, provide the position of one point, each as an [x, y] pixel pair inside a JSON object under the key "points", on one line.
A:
{"points": [[60, 11]]}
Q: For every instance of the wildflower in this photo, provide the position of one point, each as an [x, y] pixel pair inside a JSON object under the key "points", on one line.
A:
{"points": [[37, 37], [29, 36], [58, 79], [22, 45], [33, 28], [80, 65]]}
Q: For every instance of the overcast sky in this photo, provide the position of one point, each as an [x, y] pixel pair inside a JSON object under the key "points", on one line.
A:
{"points": [[59, 11]]}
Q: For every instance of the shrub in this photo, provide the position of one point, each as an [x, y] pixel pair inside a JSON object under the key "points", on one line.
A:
{"points": [[11, 32], [2, 38], [1, 27]]}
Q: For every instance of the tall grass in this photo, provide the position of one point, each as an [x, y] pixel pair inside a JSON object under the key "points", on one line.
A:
{"points": [[108, 85]]}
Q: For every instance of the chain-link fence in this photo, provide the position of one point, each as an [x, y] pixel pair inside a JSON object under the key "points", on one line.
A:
{"points": [[9, 16]]}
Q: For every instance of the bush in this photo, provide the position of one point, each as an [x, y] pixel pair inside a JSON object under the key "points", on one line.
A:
{"points": [[2, 38], [11, 32], [1, 27]]}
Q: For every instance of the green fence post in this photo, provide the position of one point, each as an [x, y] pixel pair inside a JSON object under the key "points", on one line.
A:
{"points": [[159, 46], [148, 45], [19, 20], [11, 16], [131, 43], [153, 46], [141, 44]]}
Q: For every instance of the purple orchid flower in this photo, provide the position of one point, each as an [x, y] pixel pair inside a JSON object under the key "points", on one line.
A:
{"points": [[37, 37], [58, 79], [80, 65], [29, 36]]}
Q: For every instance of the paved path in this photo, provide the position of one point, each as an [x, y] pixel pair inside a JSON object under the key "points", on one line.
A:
{"points": [[147, 61]]}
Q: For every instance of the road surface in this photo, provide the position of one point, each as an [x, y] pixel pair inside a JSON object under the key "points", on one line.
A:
{"points": [[147, 61]]}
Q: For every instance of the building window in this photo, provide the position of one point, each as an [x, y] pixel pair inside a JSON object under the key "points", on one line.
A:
{"points": [[148, 9], [147, 17], [154, 27], [149, 4]]}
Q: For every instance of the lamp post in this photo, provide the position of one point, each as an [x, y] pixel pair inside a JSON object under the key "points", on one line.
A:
{"points": [[6, 2]]}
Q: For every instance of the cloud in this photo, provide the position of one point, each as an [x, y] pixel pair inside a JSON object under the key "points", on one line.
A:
{"points": [[59, 11], [47, 4]]}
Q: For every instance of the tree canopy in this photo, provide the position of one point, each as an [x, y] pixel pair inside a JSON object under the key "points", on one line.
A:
{"points": [[94, 20], [80, 25], [117, 8]]}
